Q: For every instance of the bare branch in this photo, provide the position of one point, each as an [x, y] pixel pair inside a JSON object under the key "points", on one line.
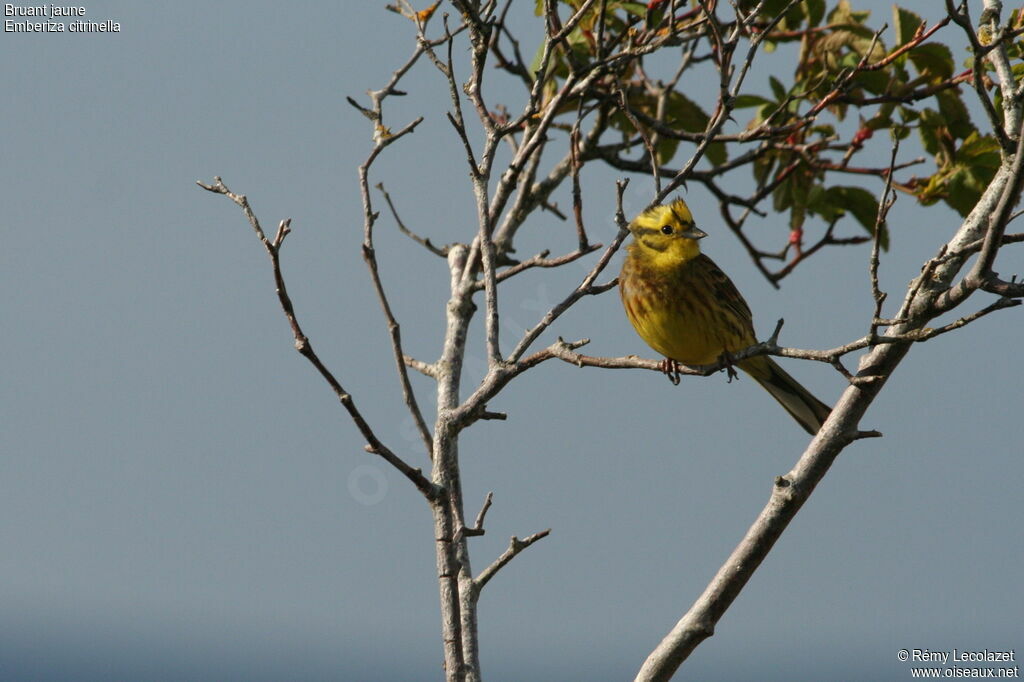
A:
{"points": [[577, 195], [1000, 59], [652, 155], [541, 260], [532, 193], [442, 251], [963, 20], [729, 89], [566, 351], [394, 329], [478, 527], [584, 289], [982, 276], [305, 347], [423, 368], [885, 202], [515, 546], [827, 239]]}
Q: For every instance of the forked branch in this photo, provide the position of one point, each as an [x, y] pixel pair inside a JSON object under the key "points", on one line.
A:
{"points": [[305, 347]]}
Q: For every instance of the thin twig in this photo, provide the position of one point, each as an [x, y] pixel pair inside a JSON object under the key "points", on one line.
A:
{"points": [[423, 368], [981, 275], [370, 257], [541, 260], [305, 347], [478, 527], [566, 351], [584, 288], [577, 195], [515, 546], [885, 202], [424, 242]]}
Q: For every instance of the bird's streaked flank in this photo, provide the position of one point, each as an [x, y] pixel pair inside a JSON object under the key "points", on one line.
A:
{"points": [[688, 310]]}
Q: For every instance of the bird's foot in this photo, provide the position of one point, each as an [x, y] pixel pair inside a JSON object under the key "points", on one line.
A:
{"points": [[671, 369], [730, 371]]}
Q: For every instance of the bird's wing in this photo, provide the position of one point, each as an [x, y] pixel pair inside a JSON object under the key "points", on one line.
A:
{"points": [[727, 294]]}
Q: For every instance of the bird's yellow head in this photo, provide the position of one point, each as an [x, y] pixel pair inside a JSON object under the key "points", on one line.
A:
{"points": [[666, 234]]}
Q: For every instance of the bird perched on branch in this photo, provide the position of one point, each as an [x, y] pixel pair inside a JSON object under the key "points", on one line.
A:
{"points": [[688, 310]]}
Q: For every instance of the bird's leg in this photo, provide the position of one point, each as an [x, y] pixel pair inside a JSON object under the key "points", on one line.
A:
{"points": [[671, 369], [726, 359]]}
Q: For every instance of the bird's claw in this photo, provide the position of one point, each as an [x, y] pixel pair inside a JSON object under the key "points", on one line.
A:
{"points": [[730, 371], [671, 369]]}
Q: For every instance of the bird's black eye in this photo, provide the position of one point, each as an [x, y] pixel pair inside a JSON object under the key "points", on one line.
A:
{"points": [[666, 229]]}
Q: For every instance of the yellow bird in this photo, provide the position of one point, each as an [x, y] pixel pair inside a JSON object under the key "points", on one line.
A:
{"points": [[688, 310]]}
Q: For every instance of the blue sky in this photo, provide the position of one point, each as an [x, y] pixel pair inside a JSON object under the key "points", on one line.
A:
{"points": [[181, 497]]}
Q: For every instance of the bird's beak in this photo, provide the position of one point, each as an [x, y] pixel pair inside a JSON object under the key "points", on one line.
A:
{"points": [[694, 233]]}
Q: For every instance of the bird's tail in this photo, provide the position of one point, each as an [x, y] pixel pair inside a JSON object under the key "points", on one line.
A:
{"points": [[807, 410]]}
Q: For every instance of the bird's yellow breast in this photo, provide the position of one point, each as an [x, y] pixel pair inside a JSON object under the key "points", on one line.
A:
{"points": [[683, 311]]}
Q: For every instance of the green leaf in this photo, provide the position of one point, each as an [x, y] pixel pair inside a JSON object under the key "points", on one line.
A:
{"points": [[879, 121], [905, 23], [798, 214], [683, 113], [875, 82], [908, 115], [931, 123], [955, 114], [666, 149], [717, 153], [763, 114], [862, 204], [763, 168], [635, 8], [965, 186], [793, 18], [778, 89], [899, 132], [933, 190], [845, 47], [844, 14], [745, 101], [819, 204], [578, 38], [933, 61], [823, 130], [961, 182], [882, 119], [782, 196], [535, 62], [980, 152], [960, 190], [815, 12]]}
